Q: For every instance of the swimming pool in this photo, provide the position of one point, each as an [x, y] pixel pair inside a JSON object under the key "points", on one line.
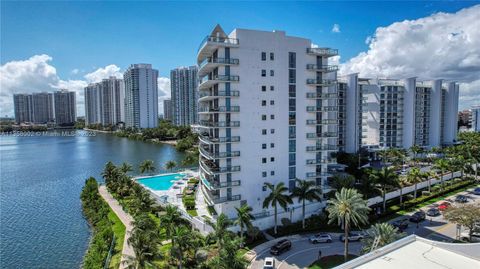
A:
{"points": [[160, 182]]}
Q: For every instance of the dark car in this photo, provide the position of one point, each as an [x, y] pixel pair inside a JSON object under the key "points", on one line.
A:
{"points": [[461, 199], [432, 212], [280, 247], [476, 191], [417, 217], [401, 225]]}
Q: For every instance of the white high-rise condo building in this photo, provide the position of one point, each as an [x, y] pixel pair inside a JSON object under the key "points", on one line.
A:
{"points": [[65, 108], [183, 83], [476, 118], [392, 113], [104, 102], [167, 109], [141, 96], [42, 107], [23, 107], [267, 113]]}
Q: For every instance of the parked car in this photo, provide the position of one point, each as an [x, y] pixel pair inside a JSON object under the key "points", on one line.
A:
{"points": [[352, 236], [476, 191], [417, 217], [475, 236], [280, 247], [432, 212], [401, 224], [320, 238], [443, 206], [461, 199], [269, 263]]}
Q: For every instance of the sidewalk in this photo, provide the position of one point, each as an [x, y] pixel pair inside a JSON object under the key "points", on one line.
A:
{"points": [[126, 219]]}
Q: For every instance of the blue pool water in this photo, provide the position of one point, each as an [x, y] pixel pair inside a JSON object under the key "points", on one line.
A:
{"points": [[160, 182]]}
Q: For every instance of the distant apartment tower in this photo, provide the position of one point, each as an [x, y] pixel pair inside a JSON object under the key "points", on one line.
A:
{"points": [[141, 96], [104, 102], [167, 109], [392, 113], [42, 107], [65, 107], [476, 118], [183, 83], [23, 107], [267, 113]]}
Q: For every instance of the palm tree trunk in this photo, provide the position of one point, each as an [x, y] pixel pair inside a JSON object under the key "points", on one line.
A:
{"points": [[415, 193], [275, 228], [303, 214], [345, 254], [401, 195], [384, 198], [441, 180], [429, 185], [241, 235]]}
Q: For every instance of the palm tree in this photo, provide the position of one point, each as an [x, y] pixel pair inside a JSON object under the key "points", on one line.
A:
{"points": [[384, 178], [191, 158], [340, 181], [220, 228], [169, 220], [109, 172], [147, 166], [402, 182], [306, 191], [170, 165], [228, 257], [126, 168], [144, 243], [415, 176], [441, 165], [277, 197], [244, 218], [182, 236], [383, 234], [415, 149], [428, 177], [348, 207]]}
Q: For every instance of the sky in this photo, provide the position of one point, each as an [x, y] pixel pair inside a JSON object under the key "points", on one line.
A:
{"points": [[50, 45]]}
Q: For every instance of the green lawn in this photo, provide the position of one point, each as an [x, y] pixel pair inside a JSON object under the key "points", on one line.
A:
{"points": [[119, 231], [192, 212], [330, 261]]}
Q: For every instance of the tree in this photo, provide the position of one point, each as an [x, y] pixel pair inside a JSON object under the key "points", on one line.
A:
{"points": [[244, 218], [220, 229], [441, 165], [191, 158], [382, 234], [277, 197], [126, 168], [110, 174], [415, 149], [465, 215], [348, 207], [227, 257], [147, 166], [427, 175], [182, 236], [415, 176], [169, 219], [340, 181], [402, 182], [170, 165], [144, 240], [384, 178], [306, 191]]}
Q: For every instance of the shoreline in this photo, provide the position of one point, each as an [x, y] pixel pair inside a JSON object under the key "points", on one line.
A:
{"points": [[169, 142], [100, 131]]}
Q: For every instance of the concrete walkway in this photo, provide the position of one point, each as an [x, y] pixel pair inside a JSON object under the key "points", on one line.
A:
{"points": [[126, 219]]}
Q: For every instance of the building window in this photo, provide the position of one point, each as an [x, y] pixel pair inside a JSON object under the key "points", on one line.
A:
{"points": [[272, 131], [264, 102], [272, 159], [264, 131], [264, 117], [264, 56], [291, 145], [272, 173], [291, 76], [264, 160], [272, 56], [272, 145], [272, 117], [264, 146], [264, 188], [264, 174], [291, 91], [264, 88], [291, 172], [272, 73], [291, 159], [272, 102], [264, 73], [272, 88], [292, 60]]}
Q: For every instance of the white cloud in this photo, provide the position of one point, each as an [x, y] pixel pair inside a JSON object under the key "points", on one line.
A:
{"points": [[443, 45], [75, 71], [336, 28], [163, 92], [102, 73]]}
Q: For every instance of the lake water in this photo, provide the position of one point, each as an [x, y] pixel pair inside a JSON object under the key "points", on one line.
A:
{"points": [[41, 223]]}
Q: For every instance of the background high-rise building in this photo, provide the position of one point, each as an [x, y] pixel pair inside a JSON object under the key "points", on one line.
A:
{"points": [[42, 107], [141, 96], [104, 102], [259, 92], [23, 107], [476, 118], [183, 81], [167, 109], [65, 107]]}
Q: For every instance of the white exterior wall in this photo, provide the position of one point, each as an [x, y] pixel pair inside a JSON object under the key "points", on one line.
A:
{"points": [[451, 113], [409, 113], [353, 106], [435, 113], [371, 113]]}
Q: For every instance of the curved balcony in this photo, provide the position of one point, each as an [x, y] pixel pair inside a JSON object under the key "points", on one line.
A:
{"points": [[206, 139], [320, 161], [209, 81], [321, 148], [210, 95], [317, 174], [321, 109], [210, 43], [213, 184], [322, 122], [219, 124], [211, 168], [322, 68], [210, 63], [219, 109], [219, 155], [321, 135], [321, 82], [325, 52], [323, 96]]}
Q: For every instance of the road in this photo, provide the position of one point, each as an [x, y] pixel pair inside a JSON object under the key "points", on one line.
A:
{"points": [[303, 253]]}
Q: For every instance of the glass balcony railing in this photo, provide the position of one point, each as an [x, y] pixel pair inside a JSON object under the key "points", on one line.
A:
{"points": [[220, 124], [211, 168], [219, 94], [214, 140], [219, 109], [218, 40], [226, 61], [321, 148], [218, 155], [322, 68], [320, 161], [322, 135], [314, 95], [219, 78], [328, 52], [214, 184], [320, 109], [322, 122], [317, 174], [321, 82], [218, 200]]}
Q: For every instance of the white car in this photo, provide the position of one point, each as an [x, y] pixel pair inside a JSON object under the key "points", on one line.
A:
{"points": [[269, 263], [475, 236], [320, 238], [353, 236]]}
